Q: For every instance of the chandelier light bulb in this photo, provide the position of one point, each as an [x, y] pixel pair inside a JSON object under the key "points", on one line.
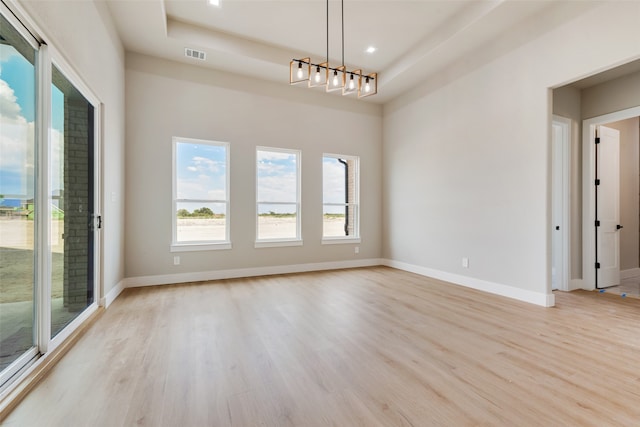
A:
{"points": [[367, 86], [335, 78], [300, 73], [317, 74], [351, 83]]}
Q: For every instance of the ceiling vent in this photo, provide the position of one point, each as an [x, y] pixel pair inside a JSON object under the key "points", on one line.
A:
{"points": [[196, 54]]}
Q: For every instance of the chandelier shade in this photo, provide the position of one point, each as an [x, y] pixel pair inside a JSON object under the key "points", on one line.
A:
{"points": [[319, 74], [352, 82], [336, 78], [369, 86], [299, 70]]}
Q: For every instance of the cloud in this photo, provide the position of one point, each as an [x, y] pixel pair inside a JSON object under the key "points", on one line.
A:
{"points": [[9, 108], [57, 160], [274, 155], [333, 182], [16, 143], [203, 164], [202, 188], [268, 168], [277, 177], [6, 52], [281, 188]]}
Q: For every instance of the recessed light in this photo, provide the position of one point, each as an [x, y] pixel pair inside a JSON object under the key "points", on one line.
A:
{"points": [[214, 2], [371, 49]]}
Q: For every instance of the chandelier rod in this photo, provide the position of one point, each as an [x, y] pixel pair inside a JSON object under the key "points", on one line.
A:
{"points": [[342, 15], [327, 31]]}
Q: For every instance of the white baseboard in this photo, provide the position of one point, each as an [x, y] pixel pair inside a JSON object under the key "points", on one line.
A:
{"points": [[200, 276], [632, 272], [113, 294], [545, 300]]}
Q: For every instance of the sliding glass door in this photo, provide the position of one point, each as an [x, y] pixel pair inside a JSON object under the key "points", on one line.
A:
{"points": [[71, 201], [48, 220], [17, 194]]}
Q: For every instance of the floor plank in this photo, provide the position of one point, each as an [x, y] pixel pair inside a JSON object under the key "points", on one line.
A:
{"points": [[361, 347]]}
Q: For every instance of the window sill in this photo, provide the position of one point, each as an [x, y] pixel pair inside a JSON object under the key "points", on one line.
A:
{"points": [[192, 247], [277, 243], [340, 240]]}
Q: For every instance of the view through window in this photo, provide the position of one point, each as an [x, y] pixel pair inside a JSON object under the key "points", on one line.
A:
{"points": [[278, 194], [340, 186], [201, 205]]}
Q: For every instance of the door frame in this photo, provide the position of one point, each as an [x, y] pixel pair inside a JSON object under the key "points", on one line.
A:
{"points": [[588, 194], [565, 124]]}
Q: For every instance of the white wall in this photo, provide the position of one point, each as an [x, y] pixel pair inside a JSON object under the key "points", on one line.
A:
{"points": [[82, 31], [166, 99], [478, 151], [612, 96]]}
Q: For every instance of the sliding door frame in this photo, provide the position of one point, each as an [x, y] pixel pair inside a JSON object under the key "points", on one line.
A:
{"points": [[31, 354], [46, 57]]}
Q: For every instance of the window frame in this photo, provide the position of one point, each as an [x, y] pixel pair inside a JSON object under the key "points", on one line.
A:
{"points": [[286, 241], [356, 238], [199, 245]]}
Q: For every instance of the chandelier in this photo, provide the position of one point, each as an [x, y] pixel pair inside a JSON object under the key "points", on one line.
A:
{"points": [[334, 78]]}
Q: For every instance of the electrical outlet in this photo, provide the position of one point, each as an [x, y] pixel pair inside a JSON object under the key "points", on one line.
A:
{"points": [[176, 260], [465, 262], [357, 249]]}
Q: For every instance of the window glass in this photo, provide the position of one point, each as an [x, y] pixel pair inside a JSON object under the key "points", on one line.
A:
{"points": [[17, 194], [278, 194], [201, 205], [71, 200], [340, 187]]}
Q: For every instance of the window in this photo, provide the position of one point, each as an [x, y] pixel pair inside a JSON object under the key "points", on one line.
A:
{"points": [[200, 195], [340, 194], [278, 197]]}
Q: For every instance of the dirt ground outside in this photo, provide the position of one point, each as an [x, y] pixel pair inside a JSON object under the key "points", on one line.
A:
{"points": [[17, 258], [271, 227]]}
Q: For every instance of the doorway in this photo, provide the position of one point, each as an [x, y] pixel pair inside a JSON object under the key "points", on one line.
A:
{"points": [[602, 224]]}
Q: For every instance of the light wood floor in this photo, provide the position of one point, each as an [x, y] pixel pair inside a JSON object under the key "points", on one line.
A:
{"points": [[364, 347]]}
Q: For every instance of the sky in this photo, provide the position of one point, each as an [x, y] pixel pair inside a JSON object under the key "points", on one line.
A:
{"points": [[17, 112], [277, 181], [17, 130], [201, 174]]}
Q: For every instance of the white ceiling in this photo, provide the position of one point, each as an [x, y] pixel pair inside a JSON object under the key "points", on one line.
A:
{"points": [[415, 40]]}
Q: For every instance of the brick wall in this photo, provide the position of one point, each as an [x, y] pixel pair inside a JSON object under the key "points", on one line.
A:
{"points": [[76, 203], [351, 197]]}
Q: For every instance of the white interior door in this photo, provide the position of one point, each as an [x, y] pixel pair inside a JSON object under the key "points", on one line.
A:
{"points": [[608, 207]]}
